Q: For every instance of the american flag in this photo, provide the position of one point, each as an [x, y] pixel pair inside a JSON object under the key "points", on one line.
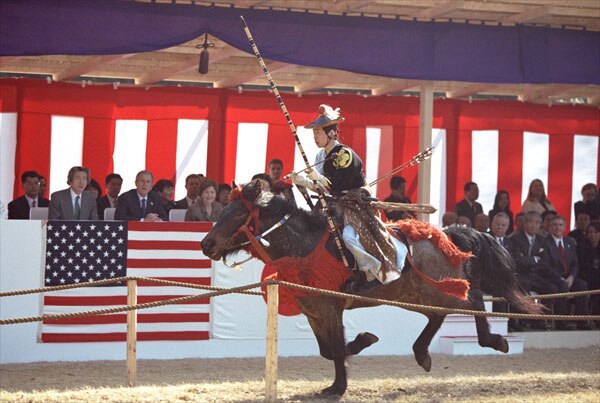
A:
{"points": [[88, 251]]}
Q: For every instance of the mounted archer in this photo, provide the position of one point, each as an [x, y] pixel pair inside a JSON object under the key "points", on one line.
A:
{"points": [[338, 170]]}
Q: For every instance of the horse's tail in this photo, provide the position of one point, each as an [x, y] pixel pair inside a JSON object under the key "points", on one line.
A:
{"points": [[492, 267]]}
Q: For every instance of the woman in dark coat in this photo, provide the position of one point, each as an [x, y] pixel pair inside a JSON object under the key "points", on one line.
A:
{"points": [[502, 204]]}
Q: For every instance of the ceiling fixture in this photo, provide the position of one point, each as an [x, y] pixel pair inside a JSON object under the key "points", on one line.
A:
{"points": [[203, 64]]}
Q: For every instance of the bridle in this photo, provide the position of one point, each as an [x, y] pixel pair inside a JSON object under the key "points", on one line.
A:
{"points": [[256, 240]]}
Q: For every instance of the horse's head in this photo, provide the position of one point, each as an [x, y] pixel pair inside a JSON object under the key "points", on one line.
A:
{"points": [[244, 211]]}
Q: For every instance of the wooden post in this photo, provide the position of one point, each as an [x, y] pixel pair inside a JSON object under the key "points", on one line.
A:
{"points": [[131, 333], [425, 126], [271, 357]]}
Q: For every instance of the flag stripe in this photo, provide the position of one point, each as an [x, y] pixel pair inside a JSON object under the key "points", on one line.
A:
{"points": [[115, 300], [189, 308], [192, 280], [141, 318], [175, 263], [105, 337], [122, 327], [162, 227], [164, 245]]}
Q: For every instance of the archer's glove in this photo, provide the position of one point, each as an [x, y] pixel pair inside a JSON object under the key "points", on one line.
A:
{"points": [[300, 180], [315, 176]]}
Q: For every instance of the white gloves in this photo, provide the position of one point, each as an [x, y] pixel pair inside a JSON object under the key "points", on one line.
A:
{"points": [[300, 180], [315, 176]]}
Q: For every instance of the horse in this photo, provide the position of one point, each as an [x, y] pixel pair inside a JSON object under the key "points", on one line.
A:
{"points": [[300, 246]]}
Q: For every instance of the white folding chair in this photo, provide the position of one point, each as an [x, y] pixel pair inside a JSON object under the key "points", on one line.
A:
{"points": [[38, 213], [109, 214], [177, 214]]}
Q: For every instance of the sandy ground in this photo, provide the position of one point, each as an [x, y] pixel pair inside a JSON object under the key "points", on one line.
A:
{"points": [[537, 376]]}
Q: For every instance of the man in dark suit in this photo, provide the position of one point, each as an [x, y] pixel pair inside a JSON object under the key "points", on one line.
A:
{"points": [[140, 204], [113, 184], [562, 252], [533, 269], [73, 203], [19, 208], [192, 185], [468, 207]]}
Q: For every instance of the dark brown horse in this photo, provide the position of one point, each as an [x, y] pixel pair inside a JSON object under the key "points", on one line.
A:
{"points": [[252, 212]]}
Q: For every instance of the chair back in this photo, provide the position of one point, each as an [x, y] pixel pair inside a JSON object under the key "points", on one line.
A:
{"points": [[177, 214], [38, 213], [109, 214]]}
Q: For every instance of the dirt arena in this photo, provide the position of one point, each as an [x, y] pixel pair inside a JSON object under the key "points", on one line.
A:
{"points": [[536, 376]]}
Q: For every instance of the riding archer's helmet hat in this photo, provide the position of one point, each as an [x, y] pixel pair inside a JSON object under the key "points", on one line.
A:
{"points": [[327, 117]]}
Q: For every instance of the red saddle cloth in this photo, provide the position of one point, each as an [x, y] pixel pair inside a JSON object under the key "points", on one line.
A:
{"points": [[319, 269]]}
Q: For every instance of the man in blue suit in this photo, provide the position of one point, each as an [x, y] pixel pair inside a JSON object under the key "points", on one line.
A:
{"points": [[140, 204]]}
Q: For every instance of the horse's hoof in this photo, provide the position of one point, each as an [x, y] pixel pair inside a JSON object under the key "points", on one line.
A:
{"points": [[368, 338], [334, 390], [503, 345], [425, 363]]}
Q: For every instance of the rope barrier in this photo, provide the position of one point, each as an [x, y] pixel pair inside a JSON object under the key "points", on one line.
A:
{"points": [[245, 290], [548, 296]]}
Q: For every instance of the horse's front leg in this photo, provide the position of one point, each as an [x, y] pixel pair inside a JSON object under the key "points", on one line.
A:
{"points": [[484, 336], [325, 318], [421, 345]]}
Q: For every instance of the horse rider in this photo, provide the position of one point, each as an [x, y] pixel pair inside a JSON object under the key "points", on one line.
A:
{"points": [[339, 171]]}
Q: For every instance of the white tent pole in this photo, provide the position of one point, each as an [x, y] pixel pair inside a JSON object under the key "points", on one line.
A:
{"points": [[425, 126]]}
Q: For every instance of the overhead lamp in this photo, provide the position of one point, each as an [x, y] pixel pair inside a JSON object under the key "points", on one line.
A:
{"points": [[203, 64]]}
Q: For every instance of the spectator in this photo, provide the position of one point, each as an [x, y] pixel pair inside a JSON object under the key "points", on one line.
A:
{"points": [[532, 260], [113, 183], [588, 252], [223, 194], [590, 203], [265, 181], [502, 204], [468, 207], [519, 223], [582, 220], [208, 209], [547, 217], [536, 199], [464, 221], [94, 188], [140, 204], [500, 229], [562, 253], [449, 218], [165, 190], [192, 185], [482, 222], [74, 203], [275, 169], [398, 189], [19, 208], [43, 184]]}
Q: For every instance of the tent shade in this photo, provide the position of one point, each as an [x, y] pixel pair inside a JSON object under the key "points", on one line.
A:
{"points": [[374, 46]]}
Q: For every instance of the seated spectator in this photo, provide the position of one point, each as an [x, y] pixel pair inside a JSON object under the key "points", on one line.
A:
{"points": [[275, 170], [590, 203], [588, 252], [562, 253], [499, 231], [468, 207], [223, 194], [449, 218], [502, 204], [547, 217], [530, 252], [165, 189], [519, 223], [462, 220], [398, 188], [43, 184], [208, 209], [536, 199], [113, 183], [192, 185], [19, 208], [74, 203], [94, 188], [140, 204], [482, 222], [582, 220], [265, 181]]}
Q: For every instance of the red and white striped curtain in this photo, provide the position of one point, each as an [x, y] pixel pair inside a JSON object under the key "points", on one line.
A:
{"points": [[226, 135]]}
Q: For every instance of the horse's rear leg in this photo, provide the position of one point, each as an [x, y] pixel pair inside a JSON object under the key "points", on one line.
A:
{"points": [[325, 318], [485, 337], [421, 345], [362, 341]]}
